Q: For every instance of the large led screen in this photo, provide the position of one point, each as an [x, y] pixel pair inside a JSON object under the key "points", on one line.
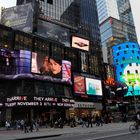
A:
{"points": [[14, 62], [45, 65], [93, 87], [80, 43], [127, 62], [7, 62], [66, 70], [79, 84], [23, 61], [53, 31], [18, 17]]}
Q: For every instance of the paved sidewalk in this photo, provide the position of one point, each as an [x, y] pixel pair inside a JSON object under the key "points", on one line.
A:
{"points": [[51, 132]]}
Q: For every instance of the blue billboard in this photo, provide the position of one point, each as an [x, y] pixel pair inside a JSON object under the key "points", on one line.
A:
{"points": [[127, 62]]}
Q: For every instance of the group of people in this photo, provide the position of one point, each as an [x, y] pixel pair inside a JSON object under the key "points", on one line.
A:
{"points": [[24, 125], [87, 121]]}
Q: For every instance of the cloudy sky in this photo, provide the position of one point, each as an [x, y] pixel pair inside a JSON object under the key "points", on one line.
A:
{"points": [[135, 5]]}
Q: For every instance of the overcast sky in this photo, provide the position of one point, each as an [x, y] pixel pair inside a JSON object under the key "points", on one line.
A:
{"points": [[135, 5]]}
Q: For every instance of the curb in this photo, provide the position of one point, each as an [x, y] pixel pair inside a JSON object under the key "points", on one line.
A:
{"points": [[37, 137]]}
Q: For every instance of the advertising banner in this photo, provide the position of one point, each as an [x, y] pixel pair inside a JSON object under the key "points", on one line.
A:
{"points": [[66, 70], [53, 31], [79, 84], [93, 87], [80, 43], [45, 65], [18, 17]]}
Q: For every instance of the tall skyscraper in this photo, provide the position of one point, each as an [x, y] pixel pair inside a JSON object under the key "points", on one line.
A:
{"points": [[116, 27], [107, 8]]}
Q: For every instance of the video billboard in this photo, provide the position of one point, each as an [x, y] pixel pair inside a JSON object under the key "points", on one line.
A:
{"points": [[23, 61], [14, 62], [53, 31], [93, 87], [7, 62], [45, 65], [79, 84], [127, 63], [18, 17], [80, 43], [66, 70]]}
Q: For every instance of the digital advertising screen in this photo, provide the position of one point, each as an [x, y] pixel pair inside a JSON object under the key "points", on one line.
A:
{"points": [[127, 63], [7, 62], [80, 43], [45, 65], [18, 17], [66, 70], [54, 31], [23, 61], [93, 87], [79, 84]]}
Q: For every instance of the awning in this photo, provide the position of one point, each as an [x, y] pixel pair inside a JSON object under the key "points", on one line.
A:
{"points": [[121, 87]]}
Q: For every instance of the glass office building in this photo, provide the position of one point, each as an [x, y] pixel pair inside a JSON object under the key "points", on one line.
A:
{"points": [[107, 8], [117, 27]]}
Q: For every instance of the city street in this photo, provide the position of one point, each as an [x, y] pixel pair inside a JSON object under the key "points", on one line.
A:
{"points": [[67, 133], [91, 136]]}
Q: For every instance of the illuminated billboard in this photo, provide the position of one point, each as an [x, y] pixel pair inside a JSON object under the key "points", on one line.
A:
{"points": [[79, 84], [66, 70], [18, 17], [53, 31], [14, 62], [93, 87], [7, 62], [80, 43], [127, 62], [45, 65]]}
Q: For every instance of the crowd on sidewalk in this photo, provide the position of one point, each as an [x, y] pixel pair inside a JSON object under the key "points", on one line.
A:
{"points": [[59, 122]]}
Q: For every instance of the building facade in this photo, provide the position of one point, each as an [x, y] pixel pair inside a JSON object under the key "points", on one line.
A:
{"points": [[115, 28], [64, 35]]}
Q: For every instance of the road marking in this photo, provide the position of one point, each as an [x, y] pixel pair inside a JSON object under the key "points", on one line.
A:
{"points": [[105, 137]]}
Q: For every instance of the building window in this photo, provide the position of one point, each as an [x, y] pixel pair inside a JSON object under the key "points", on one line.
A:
{"points": [[123, 58], [116, 60], [132, 51], [130, 64], [50, 1], [138, 57], [120, 73], [127, 46]]}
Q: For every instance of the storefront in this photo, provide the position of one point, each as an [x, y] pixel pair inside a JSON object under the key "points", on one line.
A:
{"points": [[85, 108]]}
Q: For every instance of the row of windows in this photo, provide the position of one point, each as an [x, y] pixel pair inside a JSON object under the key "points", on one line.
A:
{"points": [[34, 88]]}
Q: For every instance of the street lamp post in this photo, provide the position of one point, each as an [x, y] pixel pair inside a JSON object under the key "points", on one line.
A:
{"points": [[134, 98]]}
